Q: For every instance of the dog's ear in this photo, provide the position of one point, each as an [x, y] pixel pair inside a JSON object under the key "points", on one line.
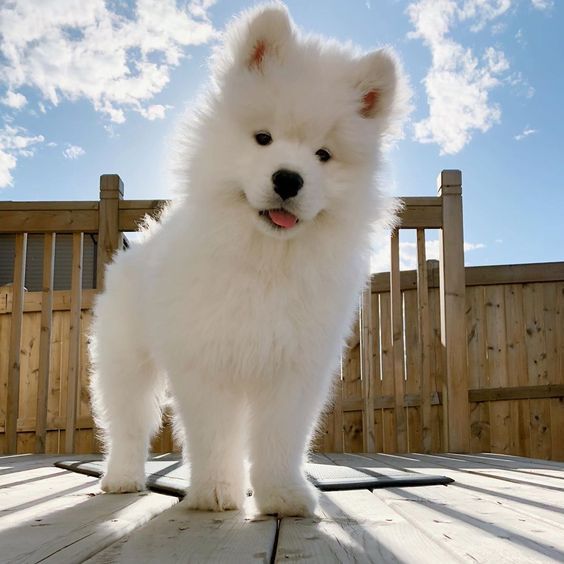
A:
{"points": [[261, 35], [376, 83]]}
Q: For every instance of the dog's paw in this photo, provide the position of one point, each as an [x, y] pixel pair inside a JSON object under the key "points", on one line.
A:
{"points": [[213, 496], [114, 482], [287, 501]]}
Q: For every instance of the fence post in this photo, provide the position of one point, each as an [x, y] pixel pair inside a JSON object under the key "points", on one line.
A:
{"points": [[452, 286], [110, 238]]}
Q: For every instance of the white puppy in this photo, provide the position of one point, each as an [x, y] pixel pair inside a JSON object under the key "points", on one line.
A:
{"points": [[241, 298]]}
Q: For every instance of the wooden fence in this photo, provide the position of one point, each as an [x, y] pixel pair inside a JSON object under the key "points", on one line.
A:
{"points": [[410, 382], [514, 335]]}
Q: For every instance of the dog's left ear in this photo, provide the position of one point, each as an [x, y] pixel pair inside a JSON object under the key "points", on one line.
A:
{"points": [[376, 83], [262, 35]]}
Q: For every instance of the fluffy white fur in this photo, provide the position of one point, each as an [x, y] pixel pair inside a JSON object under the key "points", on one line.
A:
{"points": [[243, 322]]}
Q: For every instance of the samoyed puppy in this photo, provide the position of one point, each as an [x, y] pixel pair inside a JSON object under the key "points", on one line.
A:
{"points": [[240, 299]]}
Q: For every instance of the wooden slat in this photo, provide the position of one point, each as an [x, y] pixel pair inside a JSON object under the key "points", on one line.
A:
{"points": [[33, 300], [516, 393], [515, 274], [15, 340], [132, 212], [397, 344], [143, 206], [366, 371], [538, 364], [437, 371], [424, 327], [412, 370], [496, 366], [56, 220], [54, 423], [388, 402], [516, 359], [338, 442], [420, 212], [376, 374], [482, 276], [452, 293], [45, 341], [74, 341], [81, 205], [387, 359], [352, 390], [110, 239]]}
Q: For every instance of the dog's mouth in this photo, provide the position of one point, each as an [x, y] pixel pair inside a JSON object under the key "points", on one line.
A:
{"points": [[279, 218]]}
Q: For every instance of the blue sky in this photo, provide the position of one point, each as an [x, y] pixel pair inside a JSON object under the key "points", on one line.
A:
{"points": [[97, 87]]}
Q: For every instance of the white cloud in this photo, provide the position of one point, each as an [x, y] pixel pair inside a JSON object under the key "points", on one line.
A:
{"points": [[542, 4], [155, 111], [14, 143], [72, 152], [97, 50], [458, 82], [473, 246], [14, 100], [380, 258], [525, 133], [520, 85], [482, 11]]}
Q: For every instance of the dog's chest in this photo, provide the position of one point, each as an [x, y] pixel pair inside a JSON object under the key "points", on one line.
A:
{"points": [[250, 321]]}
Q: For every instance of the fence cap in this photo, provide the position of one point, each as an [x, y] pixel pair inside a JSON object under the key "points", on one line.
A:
{"points": [[449, 182], [111, 186]]}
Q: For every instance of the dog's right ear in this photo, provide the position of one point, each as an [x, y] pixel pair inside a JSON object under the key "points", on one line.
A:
{"points": [[261, 36]]}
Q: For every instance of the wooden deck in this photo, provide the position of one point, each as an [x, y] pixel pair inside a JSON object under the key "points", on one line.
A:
{"points": [[500, 509]]}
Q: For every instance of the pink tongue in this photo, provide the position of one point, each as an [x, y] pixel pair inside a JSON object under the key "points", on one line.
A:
{"points": [[283, 218]]}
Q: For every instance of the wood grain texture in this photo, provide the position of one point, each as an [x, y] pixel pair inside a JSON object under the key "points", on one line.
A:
{"points": [[45, 341], [13, 391], [109, 235], [452, 293], [424, 344], [74, 341], [397, 344]]}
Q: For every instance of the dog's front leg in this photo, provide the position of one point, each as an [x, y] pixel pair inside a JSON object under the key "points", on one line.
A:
{"points": [[282, 418], [213, 421]]}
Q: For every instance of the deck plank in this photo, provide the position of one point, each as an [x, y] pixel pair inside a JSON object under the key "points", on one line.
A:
{"points": [[477, 515], [516, 464], [49, 515], [355, 526], [475, 528], [181, 535], [506, 510], [506, 472], [538, 503]]}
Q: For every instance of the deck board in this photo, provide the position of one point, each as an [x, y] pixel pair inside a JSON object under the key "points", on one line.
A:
{"points": [[181, 535], [499, 509], [47, 515], [355, 526]]}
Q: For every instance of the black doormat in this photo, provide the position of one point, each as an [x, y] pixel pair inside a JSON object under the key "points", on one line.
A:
{"points": [[168, 475]]}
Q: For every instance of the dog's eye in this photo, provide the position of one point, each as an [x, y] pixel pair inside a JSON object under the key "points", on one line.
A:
{"points": [[263, 138], [323, 155]]}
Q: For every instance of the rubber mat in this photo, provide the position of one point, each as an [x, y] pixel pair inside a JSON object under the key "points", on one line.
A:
{"points": [[168, 475]]}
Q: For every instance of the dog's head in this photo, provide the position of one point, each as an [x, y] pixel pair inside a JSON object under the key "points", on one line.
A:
{"points": [[294, 124]]}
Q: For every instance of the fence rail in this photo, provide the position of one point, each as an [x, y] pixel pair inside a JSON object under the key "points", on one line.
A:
{"points": [[443, 358]]}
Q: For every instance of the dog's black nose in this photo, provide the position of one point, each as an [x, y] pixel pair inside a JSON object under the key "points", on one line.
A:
{"points": [[287, 183]]}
